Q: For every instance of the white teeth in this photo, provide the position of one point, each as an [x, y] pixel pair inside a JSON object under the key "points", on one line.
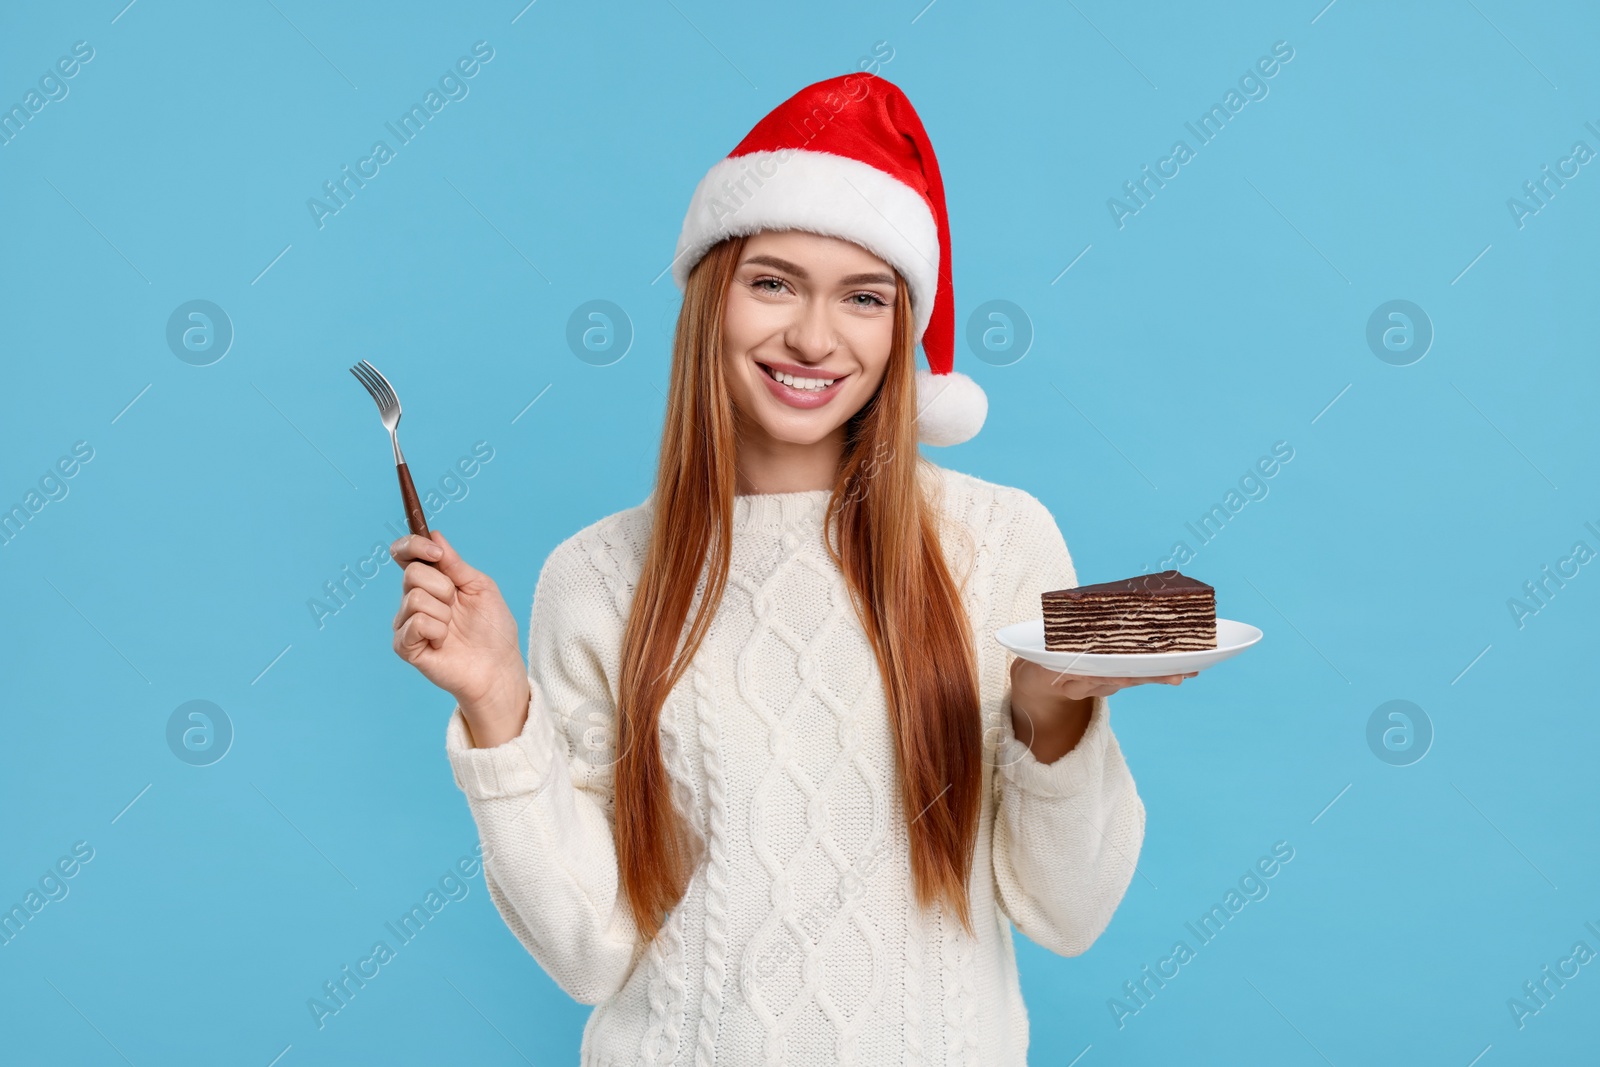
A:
{"points": [[800, 383]]}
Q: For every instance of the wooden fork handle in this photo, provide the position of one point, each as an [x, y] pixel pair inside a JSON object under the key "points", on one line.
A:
{"points": [[408, 492]]}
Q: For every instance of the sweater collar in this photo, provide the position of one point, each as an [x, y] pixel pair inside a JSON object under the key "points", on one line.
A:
{"points": [[766, 511]]}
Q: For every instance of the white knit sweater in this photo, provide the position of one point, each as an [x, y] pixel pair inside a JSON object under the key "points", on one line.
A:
{"points": [[798, 941]]}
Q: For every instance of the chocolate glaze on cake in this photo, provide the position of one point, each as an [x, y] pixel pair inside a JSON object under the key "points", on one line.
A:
{"points": [[1161, 612]]}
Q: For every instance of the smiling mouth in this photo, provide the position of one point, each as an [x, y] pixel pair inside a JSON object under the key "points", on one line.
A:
{"points": [[809, 385]]}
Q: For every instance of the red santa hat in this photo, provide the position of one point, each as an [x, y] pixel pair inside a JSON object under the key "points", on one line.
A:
{"points": [[848, 157]]}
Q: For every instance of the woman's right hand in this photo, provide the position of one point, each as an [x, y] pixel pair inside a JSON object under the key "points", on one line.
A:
{"points": [[453, 626]]}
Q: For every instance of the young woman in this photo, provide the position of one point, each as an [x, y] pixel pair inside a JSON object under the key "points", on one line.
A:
{"points": [[765, 789]]}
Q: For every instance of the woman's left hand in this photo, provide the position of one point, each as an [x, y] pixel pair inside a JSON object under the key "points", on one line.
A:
{"points": [[1050, 709]]}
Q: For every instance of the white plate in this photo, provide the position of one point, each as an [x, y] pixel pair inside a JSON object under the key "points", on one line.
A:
{"points": [[1026, 639]]}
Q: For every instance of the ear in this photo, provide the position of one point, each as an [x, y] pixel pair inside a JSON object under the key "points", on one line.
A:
{"points": [[950, 407]]}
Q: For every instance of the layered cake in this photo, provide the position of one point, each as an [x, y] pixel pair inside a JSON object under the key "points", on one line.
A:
{"points": [[1162, 612]]}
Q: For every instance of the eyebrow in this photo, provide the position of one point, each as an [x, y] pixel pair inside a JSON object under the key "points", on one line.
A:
{"points": [[801, 273]]}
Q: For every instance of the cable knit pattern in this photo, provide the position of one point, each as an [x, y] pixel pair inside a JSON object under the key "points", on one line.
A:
{"points": [[716, 874], [799, 940], [668, 991], [916, 951]]}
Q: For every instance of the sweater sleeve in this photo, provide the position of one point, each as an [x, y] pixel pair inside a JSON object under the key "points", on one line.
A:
{"points": [[1067, 834], [543, 800]]}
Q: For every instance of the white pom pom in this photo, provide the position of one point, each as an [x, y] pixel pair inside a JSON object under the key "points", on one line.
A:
{"points": [[950, 407]]}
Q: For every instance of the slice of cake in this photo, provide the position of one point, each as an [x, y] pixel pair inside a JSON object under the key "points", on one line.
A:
{"points": [[1162, 612]]}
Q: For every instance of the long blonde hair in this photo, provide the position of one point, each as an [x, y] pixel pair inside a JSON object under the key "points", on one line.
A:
{"points": [[889, 553]]}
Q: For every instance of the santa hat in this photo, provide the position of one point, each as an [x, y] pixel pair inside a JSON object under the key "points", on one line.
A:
{"points": [[848, 157]]}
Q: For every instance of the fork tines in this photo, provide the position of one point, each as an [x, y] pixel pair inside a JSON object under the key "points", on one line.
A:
{"points": [[376, 384]]}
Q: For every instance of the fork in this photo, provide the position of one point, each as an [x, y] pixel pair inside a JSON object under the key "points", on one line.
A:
{"points": [[389, 410]]}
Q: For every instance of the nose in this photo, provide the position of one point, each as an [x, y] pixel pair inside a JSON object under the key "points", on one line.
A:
{"points": [[810, 333]]}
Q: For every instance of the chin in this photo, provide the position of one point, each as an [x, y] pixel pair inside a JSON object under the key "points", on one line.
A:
{"points": [[801, 431]]}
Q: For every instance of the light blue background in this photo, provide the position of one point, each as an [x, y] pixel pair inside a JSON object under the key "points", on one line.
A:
{"points": [[1225, 316]]}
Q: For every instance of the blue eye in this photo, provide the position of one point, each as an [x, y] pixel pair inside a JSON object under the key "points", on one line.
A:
{"points": [[874, 300]]}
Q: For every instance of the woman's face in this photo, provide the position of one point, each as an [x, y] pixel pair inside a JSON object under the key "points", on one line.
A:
{"points": [[817, 309]]}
